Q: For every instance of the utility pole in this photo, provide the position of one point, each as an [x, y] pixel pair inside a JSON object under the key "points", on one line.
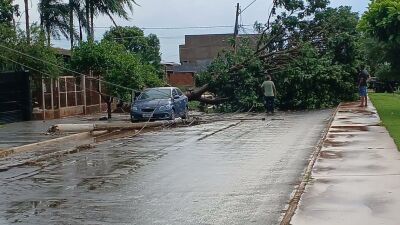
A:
{"points": [[27, 28], [236, 29]]}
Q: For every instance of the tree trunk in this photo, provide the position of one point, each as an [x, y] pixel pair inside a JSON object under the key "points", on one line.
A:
{"points": [[27, 25], [48, 35], [14, 24], [87, 19], [109, 101], [71, 23], [197, 93], [80, 30], [91, 21]]}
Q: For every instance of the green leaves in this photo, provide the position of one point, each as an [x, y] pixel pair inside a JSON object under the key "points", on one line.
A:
{"points": [[116, 65], [7, 11], [382, 20], [147, 48], [312, 60], [28, 56], [380, 26]]}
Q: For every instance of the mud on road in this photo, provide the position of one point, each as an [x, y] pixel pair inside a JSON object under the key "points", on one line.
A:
{"points": [[226, 172]]}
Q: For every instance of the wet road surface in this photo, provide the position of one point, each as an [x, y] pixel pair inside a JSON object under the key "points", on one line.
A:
{"points": [[226, 172], [27, 132]]}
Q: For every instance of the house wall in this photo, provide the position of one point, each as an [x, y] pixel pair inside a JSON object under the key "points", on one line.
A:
{"points": [[181, 79], [201, 49]]}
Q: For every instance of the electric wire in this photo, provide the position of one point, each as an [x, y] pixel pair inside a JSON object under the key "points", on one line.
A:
{"points": [[248, 6], [49, 76], [66, 69]]}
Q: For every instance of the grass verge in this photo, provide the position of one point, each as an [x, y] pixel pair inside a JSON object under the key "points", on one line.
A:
{"points": [[388, 106]]}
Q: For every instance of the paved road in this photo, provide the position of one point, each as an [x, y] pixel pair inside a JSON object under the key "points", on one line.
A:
{"points": [[226, 172]]}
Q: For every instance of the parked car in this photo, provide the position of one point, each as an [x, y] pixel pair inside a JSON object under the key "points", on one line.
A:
{"points": [[160, 103]]}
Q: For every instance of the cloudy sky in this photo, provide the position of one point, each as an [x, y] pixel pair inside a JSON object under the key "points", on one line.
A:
{"points": [[186, 15]]}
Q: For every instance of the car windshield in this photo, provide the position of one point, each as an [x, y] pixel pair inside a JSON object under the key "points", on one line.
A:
{"points": [[155, 94]]}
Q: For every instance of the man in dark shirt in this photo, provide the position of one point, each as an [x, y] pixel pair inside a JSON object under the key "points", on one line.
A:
{"points": [[363, 78]]}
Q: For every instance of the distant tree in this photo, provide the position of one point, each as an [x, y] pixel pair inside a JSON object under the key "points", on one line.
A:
{"points": [[114, 64], [380, 25], [109, 8], [382, 20], [76, 10], [8, 11], [134, 40], [54, 18]]}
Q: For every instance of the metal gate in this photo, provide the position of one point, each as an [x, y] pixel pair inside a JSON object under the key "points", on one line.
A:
{"points": [[15, 100]]}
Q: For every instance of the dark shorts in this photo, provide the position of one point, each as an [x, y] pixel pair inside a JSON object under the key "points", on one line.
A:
{"points": [[363, 91]]}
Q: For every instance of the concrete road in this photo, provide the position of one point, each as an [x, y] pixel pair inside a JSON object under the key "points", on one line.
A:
{"points": [[226, 172]]}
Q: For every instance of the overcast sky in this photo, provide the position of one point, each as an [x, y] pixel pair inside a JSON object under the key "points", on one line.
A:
{"points": [[189, 13]]}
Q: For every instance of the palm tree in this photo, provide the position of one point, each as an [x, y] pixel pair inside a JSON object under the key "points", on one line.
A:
{"points": [[75, 7], [106, 7], [54, 18]]}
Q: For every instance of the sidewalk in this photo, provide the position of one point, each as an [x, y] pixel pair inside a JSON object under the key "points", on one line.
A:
{"points": [[356, 179]]}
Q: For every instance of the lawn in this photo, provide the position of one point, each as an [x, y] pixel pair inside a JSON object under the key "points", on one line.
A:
{"points": [[388, 106]]}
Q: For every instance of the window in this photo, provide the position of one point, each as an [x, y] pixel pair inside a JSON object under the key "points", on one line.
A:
{"points": [[174, 92], [155, 94], [179, 92]]}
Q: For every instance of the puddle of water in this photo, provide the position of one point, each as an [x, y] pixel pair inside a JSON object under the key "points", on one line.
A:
{"points": [[331, 155], [332, 143], [349, 128]]}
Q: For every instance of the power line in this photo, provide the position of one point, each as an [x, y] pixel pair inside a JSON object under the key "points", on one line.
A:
{"points": [[44, 73], [133, 37], [49, 76], [64, 68], [248, 6], [165, 28]]}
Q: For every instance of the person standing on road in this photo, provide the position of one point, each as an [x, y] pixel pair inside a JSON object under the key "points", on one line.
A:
{"points": [[363, 78], [269, 90]]}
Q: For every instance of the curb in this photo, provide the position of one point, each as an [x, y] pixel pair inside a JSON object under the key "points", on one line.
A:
{"points": [[38, 145], [295, 199]]}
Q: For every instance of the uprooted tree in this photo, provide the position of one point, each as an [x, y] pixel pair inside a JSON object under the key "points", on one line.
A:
{"points": [[309, 49]]}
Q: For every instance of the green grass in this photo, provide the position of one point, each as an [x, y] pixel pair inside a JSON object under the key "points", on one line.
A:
{"points": [[194, 105], [388, 106]]}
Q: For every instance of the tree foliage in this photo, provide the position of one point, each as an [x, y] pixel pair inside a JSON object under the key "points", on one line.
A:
{"points": [[134, 40], [19, 55], [7, 11], [310, 51], [381, 38], [54, 18], [116, 65]]}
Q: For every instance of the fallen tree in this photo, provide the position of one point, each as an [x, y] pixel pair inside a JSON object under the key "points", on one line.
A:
{"points": [[308, 49]]}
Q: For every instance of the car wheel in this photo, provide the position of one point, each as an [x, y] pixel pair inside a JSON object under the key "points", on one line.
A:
{"points": [[172, 117], [186, 113], [133, 120]]}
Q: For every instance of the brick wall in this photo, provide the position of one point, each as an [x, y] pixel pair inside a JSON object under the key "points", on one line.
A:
{"points": [[181, 79]]}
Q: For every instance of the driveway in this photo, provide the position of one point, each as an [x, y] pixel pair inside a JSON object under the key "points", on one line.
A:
{"points": [[226, 172]]}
